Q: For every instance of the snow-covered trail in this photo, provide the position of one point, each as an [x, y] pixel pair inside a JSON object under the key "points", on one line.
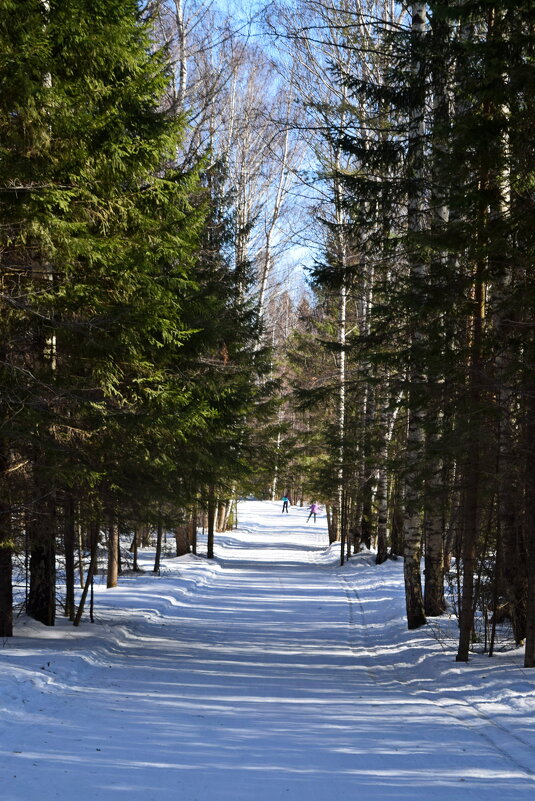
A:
{"points": [[270, 674]]}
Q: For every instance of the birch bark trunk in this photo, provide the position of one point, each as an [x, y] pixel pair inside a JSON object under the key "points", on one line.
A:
{"points": [[271, 225], [382, 491], [342, 259], [211, 512], [182, 55]]}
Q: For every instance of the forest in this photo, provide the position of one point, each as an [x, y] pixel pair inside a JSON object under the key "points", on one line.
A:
{"points": [[286, 249]]}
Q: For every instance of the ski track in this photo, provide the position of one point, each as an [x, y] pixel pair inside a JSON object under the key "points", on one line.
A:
{"points": [[466, 713], [270, 673]]}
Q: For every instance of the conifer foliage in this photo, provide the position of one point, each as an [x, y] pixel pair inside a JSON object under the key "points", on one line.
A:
{"points": [[433, 181], [437, 190], [103, 326]]}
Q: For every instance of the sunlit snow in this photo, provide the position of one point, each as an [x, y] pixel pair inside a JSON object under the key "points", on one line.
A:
{"points": [[270, 673]]}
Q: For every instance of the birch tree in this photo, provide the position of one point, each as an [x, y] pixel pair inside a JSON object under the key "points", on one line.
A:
{"points": [[332, 46]]}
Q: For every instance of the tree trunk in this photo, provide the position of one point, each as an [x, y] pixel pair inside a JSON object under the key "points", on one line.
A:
{"points": [[42, 543], [398, 500], [412, 523], [211, 522], [6, 577], [159, 541], [513, 577], [366, 526], [6, 565], [412, 532], [93, 546], [472, 476], [223, 511], [182, 57], [182, 532], [342, 259], [343, 527], [413, 580], [113, 553], [6, 550], [69, 541], [134, 548], [434, 500], [434, 600], [193, 530], [145, 536], [276, 468], [513, 574], [529, 657], [330, 528], [469, 546], [382, 514]]}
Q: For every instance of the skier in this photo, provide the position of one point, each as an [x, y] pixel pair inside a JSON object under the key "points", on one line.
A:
{"points": [[285, 502], [314, 509]]}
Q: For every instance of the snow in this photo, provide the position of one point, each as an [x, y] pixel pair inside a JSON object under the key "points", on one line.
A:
{"points": [[269, 673]]}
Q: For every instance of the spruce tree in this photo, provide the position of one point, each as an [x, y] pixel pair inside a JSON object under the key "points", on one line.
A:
{"points": [[99, 232]]}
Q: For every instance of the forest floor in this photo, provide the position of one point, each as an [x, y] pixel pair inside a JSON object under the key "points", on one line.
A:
{"points": [[268, 674]]}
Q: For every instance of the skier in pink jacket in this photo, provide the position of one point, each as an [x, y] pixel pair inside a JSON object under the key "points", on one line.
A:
{"points": [[314, 509]]}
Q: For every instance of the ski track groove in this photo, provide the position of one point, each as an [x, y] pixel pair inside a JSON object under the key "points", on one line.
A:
{"points": [[446, 701], [354, 601], [366, 643]]}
